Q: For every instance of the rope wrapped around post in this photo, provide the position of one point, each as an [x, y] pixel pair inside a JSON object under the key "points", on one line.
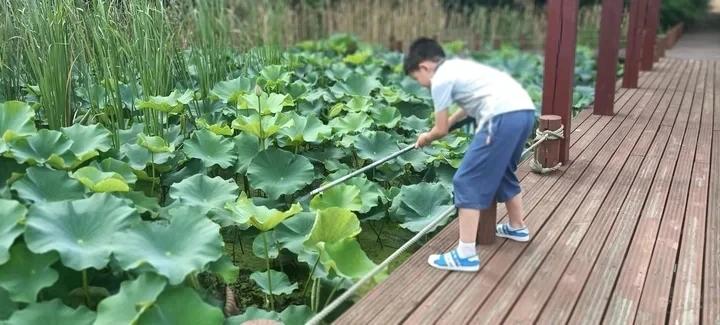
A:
{"points": [[546, 158]]}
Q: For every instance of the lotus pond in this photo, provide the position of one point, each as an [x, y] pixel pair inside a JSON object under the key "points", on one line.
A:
{"points": [[130, 205]]}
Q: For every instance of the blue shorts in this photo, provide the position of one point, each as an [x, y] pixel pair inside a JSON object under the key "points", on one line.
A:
{"points": [[487, 172]]}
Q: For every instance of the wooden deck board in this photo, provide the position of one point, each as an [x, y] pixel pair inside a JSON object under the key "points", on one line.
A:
{"points": [[608, 228]]}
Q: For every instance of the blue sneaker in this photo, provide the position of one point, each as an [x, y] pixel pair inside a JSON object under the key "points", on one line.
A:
{"points": [[451, 261], [504, 230]]}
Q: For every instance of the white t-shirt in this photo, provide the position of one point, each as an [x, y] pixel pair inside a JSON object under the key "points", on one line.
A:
{"points": [[481, 91]]}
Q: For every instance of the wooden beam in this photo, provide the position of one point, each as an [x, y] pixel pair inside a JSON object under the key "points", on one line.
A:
{"points": [[634, 43], [652, 20], [610, 24], [560, 65]]}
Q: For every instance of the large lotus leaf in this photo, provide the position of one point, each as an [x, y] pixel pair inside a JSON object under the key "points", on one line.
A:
{"points": [[342, 196], [358, 57], [51, 312], [370, 192], [203, 191], [247, 147], [175, 249], [218, 128], [297, 89], [306, 129], [359, 104], [351, 123], [261, 217], [81, 231], [155, 144], [273, 77], [233, 91], [25, 274], [259, 248], [416, 158], [143, 203], [267, 104], [279, 172], [99, 182], [173, 104], [45, 147], [387, 116], [138, 156], [277, 284], [375, 145], [181, 306], [332, 225], [133, 299], [16, 120], [417, 205], [296, 315], [88, 140], [347, 258], [292, 232], [225, 268], [356, 85], [210, 148], [41, 184], [112, 165], [253, 313], [11, 225], [270, 124], [130, 135], [414, 123], [415, 89]]}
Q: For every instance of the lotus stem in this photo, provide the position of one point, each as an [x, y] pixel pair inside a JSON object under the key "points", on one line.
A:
{"points": [[335, 287], [311, 273], [267, 262], [86, 288]]}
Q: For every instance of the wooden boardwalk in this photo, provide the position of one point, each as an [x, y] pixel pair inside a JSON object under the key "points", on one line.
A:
{"points": [[627, 232]]}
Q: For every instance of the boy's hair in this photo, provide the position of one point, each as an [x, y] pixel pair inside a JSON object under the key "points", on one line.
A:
{"points": [[422, 49]]}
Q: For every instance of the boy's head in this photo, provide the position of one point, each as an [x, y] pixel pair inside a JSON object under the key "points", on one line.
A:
{"points": [[422, 59]]}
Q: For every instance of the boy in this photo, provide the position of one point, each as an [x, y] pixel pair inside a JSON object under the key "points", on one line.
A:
{"points": [[504, 115]]}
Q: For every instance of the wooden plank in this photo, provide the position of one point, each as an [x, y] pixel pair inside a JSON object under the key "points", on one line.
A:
{"points": [[711, 276], [644, 238], [652, 20], [655, 293], [600, 177], [559, 66], [436, 300], [687, 294], [634, 41], [593, 295], [574, 181], [530, 303], [608, 47], [414, 273]]}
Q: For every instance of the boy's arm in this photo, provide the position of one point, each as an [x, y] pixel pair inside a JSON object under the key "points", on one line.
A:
{"points": [[457, 117], [441, 128]]}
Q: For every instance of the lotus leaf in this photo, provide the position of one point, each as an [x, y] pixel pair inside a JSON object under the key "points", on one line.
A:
{"points": [[11, 226], [417, 205], [44, 147], [134, 298], [342, 196], [181, 306], [233, 91], [333, 225], [356, 85], [51, 312], [351, 123], [99, 182], [25, 274], [218, 128], [81, 231], [211, 148], [306, 129], [278, 172], [279, 282], [203, 191], [387, 116], [41, 184], [269, 127], [172, 104], [155, 144], [262, 218], [174, 250], [247, 147], [88, 140], [16, 121]]}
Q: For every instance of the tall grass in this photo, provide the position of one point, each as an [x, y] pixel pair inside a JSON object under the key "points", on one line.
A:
{"points": [[10, 67], [47, 49]]}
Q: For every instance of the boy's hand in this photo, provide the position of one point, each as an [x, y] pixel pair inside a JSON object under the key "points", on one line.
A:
{"points": [[423, 140]]}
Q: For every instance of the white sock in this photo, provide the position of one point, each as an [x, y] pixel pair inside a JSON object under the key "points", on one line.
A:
{"points": [[466, 250]]}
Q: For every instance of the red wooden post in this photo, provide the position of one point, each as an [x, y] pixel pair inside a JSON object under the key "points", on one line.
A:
{"points": [[486, 226], [560, 65], [634, 43], [608, 47], [549, 151], [652, 20]]}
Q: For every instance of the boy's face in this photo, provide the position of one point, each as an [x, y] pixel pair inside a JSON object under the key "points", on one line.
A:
{"points": [[424, 73]]}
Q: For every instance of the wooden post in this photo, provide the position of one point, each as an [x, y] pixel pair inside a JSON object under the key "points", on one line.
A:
{"points": [[549, 151], [634, 43], [560, 65], [486, 226], [652, 20], [608, 47]]}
